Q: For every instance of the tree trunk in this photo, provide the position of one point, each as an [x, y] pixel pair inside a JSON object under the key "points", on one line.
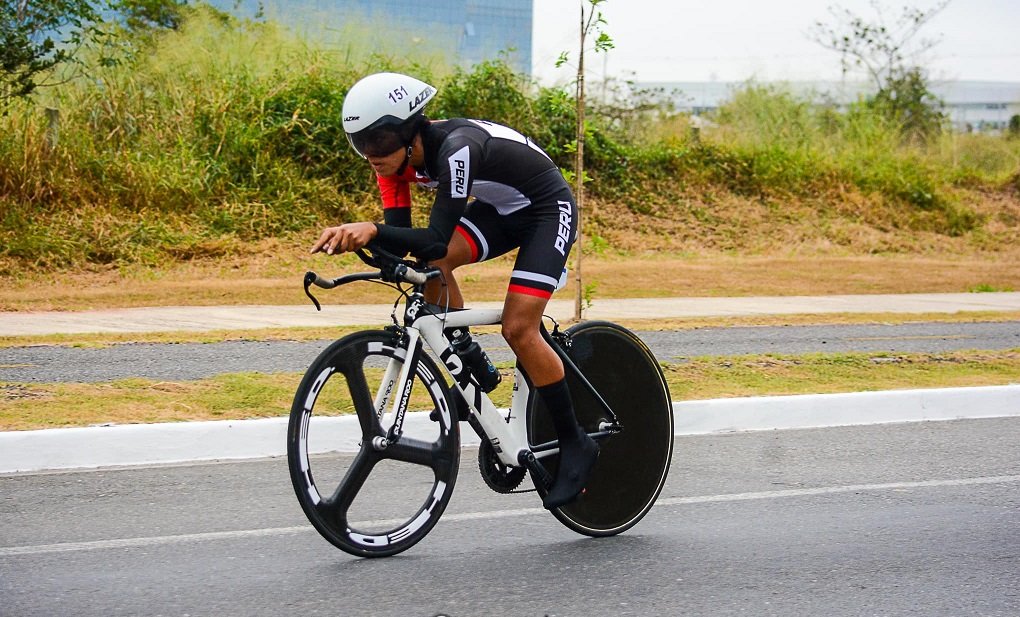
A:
{"points": [[579, 177]]}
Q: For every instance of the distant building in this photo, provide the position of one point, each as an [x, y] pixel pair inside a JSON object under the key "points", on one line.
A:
{"points": [[468, 31], [980, 106], [970, 105]]}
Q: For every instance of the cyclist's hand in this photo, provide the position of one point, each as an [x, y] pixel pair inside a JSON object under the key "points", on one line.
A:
{"points": [[345, 238]]}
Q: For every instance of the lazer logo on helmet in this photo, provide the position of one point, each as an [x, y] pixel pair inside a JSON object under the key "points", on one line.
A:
{"points": [[421, 98], [352, 118]]}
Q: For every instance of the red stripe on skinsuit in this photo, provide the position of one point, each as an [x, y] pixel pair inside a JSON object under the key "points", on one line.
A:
{"points": [[529, 291], [471, 242]]}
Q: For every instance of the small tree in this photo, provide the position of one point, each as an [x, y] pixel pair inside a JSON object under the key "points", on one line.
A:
{"points": [[592, 24], [1013, 128], [883, 50], [37, 36], [143, 15], [891, 55], [908, 102]]}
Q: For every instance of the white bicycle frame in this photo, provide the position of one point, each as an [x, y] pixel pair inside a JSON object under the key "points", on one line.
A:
{"points": [[508, 434]]}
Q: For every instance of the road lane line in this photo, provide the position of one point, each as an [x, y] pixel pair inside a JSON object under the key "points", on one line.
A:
{"points": [[10, 551], [916, 337], [66, 547], [833, 490]]}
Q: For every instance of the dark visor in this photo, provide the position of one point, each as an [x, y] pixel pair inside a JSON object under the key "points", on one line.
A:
{"points": [[376, 142]]}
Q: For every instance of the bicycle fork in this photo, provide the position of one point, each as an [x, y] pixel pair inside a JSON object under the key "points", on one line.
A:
{"points": [[400, 373]]}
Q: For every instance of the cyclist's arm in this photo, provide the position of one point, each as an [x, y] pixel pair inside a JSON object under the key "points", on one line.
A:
{"points": [[455, 179], [395, 192], [397, 217], [428, 243]]}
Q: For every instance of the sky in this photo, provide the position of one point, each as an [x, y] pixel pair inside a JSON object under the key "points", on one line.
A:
{"points": [[764, 40]]}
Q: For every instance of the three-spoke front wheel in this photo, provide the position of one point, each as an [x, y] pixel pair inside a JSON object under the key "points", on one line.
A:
{"points": [[356, 494]]}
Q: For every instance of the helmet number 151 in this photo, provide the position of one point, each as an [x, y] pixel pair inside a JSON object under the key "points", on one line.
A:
{"points": [[398, 94]]}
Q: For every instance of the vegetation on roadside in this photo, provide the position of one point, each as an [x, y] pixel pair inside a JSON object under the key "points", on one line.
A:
{"points": [[202, 138], [256, 395]]}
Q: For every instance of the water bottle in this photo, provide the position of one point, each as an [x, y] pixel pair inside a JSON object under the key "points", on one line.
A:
{"points": [[475, 360]]}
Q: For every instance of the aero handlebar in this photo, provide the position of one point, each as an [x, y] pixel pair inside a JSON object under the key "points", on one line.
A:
{"points": [[392, 269]]}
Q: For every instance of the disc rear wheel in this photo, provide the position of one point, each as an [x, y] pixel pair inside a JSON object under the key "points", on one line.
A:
{"points": [[632, 465]]}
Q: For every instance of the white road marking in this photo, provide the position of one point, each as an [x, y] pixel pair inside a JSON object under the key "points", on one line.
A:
{"points": [[10, 551], [832, 490]]}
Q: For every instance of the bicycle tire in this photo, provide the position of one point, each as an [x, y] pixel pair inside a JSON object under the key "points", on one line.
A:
{"points": [[633, 464], [362, 503]]}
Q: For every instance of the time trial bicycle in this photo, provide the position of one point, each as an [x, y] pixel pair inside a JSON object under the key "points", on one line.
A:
{"points": [[392, 492]]}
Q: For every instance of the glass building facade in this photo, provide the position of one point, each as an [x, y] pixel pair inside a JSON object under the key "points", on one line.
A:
{"points": [[466, 31]]}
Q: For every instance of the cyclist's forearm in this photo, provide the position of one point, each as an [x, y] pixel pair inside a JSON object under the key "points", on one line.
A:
{"points": [[428, 243], [397, 217]]}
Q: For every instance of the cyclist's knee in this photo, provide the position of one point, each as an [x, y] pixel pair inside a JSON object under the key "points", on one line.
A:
{"points": [[458, 253], [522, 322], [520, 333]]}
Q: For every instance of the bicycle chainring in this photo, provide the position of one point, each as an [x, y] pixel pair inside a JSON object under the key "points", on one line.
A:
{"points": [[497, 475]]}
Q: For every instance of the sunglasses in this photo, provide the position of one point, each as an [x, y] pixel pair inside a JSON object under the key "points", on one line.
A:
{"points": [[376, 142]]}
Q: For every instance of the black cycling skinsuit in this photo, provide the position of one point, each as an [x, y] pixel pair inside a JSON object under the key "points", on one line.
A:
{"points": [[518, 199]]}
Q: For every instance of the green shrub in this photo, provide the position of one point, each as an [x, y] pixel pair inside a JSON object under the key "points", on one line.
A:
{"points": [[221, 132]]}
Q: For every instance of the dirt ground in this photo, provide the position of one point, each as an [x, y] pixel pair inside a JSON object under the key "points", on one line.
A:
{"points": [[275, 278]]}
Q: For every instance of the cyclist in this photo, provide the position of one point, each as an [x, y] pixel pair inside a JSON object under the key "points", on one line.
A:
{"points": [[495, 191]]}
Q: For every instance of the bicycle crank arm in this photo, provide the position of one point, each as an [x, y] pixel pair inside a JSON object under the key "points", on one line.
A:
{"points": [[536, 468]]}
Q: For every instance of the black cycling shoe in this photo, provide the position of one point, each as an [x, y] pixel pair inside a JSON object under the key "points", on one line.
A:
{"points": [[577, 457]]}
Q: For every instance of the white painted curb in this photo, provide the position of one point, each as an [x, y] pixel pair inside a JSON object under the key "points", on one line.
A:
{"points": [[822, 410], [139, 444]]}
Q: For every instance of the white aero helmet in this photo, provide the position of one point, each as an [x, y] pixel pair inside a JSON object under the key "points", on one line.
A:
{"points": [[382, 112]]}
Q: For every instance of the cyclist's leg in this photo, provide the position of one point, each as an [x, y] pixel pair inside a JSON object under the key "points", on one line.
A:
{"points": [[532, 282], [522, 316], [477, 237], [546, 234], [438, 291]]}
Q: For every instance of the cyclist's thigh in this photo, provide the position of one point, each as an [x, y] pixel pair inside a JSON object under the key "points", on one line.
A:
{"points": [[484, 230], [545, 233]]}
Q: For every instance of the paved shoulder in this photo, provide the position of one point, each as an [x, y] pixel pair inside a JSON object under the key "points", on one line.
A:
{"points": [[184, 361], [205, 318]]}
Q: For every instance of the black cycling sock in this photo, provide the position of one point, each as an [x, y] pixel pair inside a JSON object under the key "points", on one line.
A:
{"points": [[578, 451], [557, 399]]}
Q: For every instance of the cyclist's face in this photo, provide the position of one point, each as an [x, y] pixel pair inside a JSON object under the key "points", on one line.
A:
{"points": [[376, 142], [387, 165]]}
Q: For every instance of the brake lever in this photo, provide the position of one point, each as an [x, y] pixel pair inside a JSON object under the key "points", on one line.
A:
{"points": [[309, 279]]}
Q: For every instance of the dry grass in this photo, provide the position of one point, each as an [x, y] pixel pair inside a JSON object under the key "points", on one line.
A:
{"points": [[704, 243], [273, 276], [765, 375]]}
